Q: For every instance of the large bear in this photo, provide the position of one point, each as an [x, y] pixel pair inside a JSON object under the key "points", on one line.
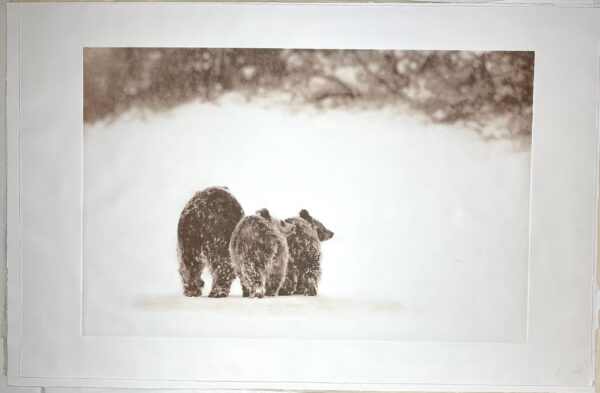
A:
{"points": [[259, 252], [204, 231], [304, 266]]}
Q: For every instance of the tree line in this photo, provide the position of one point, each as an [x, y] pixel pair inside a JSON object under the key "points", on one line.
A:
{"points": [[476, 88]]}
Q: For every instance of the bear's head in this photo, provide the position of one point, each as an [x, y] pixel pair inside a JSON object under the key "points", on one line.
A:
{"points": [[322, 232], [283, 226]]}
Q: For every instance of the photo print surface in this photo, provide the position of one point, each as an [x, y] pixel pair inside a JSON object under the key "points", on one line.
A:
{"points": [[306, 194]]}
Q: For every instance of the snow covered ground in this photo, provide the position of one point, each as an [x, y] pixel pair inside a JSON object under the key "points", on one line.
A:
{"points": [[431, 223]]}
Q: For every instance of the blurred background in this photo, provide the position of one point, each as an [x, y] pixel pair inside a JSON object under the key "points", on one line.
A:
{"points": [[490, 92]]}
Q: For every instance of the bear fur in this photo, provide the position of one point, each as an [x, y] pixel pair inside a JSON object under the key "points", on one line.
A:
{"points": [[304, 266], [204, 231], [259, 252]]}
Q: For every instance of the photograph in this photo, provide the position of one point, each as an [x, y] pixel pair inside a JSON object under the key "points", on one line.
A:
{"points": [[319, 194]]}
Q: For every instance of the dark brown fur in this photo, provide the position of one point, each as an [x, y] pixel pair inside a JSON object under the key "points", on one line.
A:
{"points": [[259, 253], [204, 231], [304, 266]]}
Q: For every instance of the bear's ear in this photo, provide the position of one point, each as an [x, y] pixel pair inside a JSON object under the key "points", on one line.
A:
{"points": [[264, 213], [304, 214], [287, 228]]}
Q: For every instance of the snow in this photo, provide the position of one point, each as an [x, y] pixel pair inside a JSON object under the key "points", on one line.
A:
{"points": [[431, 223]]}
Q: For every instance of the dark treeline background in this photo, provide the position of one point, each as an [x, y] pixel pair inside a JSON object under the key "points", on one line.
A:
{"points": [[475, 88]]}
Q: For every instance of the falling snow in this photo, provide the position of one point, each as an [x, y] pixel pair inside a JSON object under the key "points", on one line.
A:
{"points": [[430, 222]]}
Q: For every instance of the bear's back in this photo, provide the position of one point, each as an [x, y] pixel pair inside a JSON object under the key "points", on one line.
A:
{"points": [[211, 213], [303, 241], [255, 232]]}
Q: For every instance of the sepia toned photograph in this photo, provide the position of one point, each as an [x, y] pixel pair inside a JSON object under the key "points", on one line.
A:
{"points": [[306, 194]]}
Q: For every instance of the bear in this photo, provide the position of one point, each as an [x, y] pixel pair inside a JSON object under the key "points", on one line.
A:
{"points": [[203, 233], [304, 265], [259, 252]]}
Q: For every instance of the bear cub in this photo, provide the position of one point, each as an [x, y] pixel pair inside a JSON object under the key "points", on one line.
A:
{"points": [[203, 233], [259, 252], [304, 265]]}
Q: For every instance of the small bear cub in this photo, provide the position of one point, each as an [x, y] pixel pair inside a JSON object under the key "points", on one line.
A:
{"points": [[259, 253], [304, 266]]}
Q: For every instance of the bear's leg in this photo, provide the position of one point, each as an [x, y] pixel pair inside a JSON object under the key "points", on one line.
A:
{"points": [[275, 281], [190, 269], [253, 280], [307, 284], [246, 285], [245, 291], [277, 276], [310, 284], [273, 284], [223, 275], [300, 288], [289, 284]]}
